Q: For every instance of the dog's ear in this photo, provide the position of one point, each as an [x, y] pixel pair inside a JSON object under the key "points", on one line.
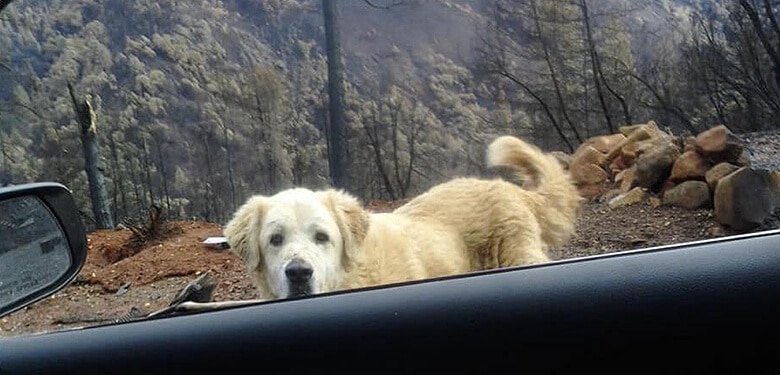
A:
{"points": [[238, 231], [351, 219]]}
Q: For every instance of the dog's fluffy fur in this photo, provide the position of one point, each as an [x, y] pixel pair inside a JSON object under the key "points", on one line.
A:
{"points": [[301, 242]]}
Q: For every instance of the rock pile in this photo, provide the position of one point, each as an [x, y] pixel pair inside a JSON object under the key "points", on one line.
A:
{"points": [[709, 170]]}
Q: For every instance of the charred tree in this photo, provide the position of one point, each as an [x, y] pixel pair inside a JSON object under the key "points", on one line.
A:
{"points": [[337, 129], [97, 186]]}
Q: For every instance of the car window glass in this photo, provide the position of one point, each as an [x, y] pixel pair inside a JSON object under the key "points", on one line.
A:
{"points": [[174, 123]]}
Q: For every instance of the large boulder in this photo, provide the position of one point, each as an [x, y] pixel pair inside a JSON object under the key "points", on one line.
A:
{"points": [[654, 165], [745, 198], [585, 166], [719, 144], [588, 174], [689, 166], [717, 172], [689, 194]]}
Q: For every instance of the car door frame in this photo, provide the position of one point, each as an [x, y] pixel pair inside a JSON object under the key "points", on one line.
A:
{"points": [[708, 306]]}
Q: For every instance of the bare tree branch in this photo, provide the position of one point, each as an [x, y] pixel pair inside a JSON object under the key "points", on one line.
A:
{"points": [[373, 139], [663, 102], [541, 102], [758, 27]]}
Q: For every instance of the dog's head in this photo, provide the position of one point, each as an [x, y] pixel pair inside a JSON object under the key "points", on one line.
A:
{"points": [[298, 242]]}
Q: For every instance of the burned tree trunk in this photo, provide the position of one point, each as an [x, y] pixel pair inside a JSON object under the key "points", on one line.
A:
{"points": [[97, 186], [337, 137]]}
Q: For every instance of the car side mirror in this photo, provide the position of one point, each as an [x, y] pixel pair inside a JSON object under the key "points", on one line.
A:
{"points": [[43, 243]]}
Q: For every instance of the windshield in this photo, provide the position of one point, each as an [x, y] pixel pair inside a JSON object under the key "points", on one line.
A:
{"points": [[183, 129]]}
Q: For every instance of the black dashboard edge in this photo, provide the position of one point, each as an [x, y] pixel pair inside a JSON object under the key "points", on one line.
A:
{"points": [[710, 307]]}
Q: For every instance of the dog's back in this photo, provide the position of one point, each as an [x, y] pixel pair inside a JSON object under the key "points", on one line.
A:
{"points": [[398, 249], [508, 221]]}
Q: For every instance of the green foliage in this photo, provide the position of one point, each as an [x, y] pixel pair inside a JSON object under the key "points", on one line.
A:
{"points": [[201, 104]]}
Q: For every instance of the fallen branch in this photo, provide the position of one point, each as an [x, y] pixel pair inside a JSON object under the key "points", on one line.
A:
{"points": [[199, 290], [191, 307]]}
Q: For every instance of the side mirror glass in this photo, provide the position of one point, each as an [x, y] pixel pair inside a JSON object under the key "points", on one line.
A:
{"points": [[42, 243]]}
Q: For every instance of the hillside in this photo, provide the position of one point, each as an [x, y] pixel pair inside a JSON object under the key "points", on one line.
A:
{"points": [[200, 104]]}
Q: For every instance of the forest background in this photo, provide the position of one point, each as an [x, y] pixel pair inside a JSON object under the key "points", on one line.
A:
{"points": [[199, 104]]}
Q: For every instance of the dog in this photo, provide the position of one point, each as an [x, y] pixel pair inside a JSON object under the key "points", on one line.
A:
{"points": [[300, 242]]}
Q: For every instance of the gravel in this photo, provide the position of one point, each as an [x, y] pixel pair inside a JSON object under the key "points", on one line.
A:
{"points": [[763, 149]]}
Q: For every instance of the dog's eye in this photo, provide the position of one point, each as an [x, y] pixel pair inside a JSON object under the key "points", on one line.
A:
{"points": [[321, 237], [276, 239]]}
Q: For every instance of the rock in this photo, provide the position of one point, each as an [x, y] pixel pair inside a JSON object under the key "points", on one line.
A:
{"points": [[619, 163], [716, 231], [689, 194], [653, 166], [585, 167], [774, 176], [629, 151], [654, 202], [745, 198], [646, 145], [690, 144], [628, 129], [588, 174], [643, 132], [666, 185], [620, 175], [654, 131], [717, 172], [605, 143], [743, 160], [719, 144], [634, 196], [689, 166], [122, 289], [627, 179], [586, 154], [610, 194], [592, 192]]}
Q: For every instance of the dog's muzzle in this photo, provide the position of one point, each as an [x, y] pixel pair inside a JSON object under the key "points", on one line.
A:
{"points": [[298, 274]]}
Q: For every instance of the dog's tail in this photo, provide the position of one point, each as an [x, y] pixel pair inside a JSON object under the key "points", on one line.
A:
{"points": [[527, 166]]}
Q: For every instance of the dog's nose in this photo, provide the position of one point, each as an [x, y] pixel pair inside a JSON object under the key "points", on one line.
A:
{"points": [[298, 271]]}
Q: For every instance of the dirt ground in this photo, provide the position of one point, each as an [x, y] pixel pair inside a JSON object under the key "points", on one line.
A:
{"points": [[148, 278]]}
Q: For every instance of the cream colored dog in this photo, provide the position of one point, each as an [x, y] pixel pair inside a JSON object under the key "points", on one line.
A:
{"points": [[300, 242]]}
